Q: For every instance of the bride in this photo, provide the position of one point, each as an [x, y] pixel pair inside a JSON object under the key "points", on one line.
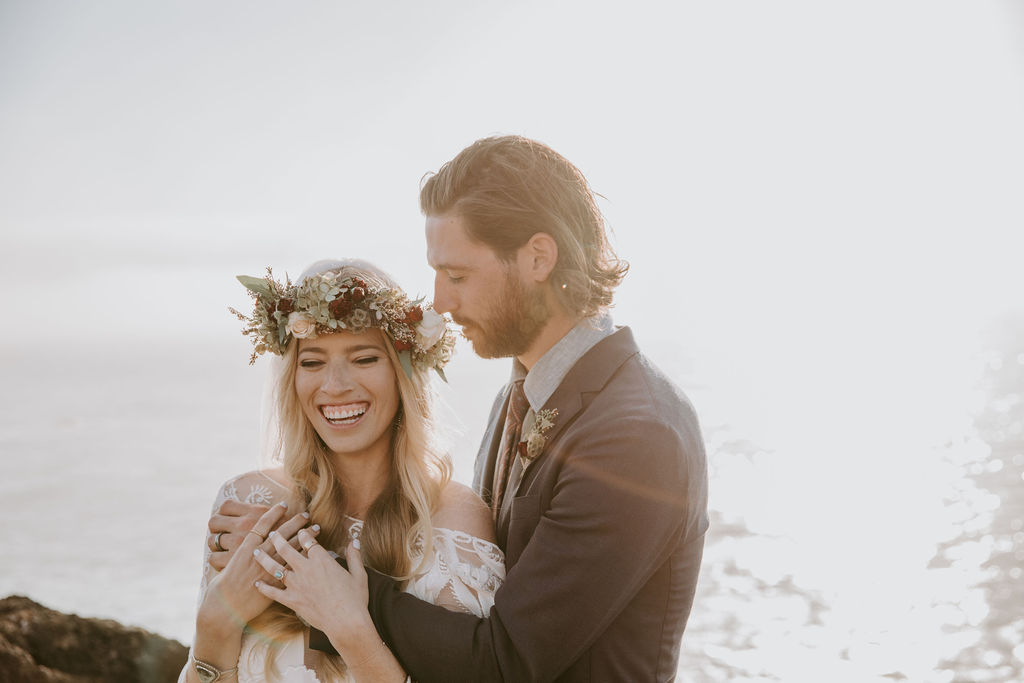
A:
{"points": [[361, 468]]}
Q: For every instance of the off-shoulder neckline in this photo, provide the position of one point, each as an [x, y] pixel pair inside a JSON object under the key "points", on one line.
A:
{"points": [[455, 532], [356, 520]]}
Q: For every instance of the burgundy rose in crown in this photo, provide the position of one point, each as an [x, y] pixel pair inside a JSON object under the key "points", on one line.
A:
{"points": [[413, 315], [340, 308]]}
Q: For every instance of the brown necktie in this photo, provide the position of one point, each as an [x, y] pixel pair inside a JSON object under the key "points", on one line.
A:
{"points": [[517, 407]]}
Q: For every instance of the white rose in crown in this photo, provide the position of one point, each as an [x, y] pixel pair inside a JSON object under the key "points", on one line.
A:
{"points": [[430, 330], [301, 325]]}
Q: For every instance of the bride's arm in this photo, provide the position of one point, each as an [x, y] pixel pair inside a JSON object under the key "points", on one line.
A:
{"points": [[230, 601]]}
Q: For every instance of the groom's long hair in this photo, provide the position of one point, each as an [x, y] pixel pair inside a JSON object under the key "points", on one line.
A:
{"points": [[398, 524], [506, 189]]}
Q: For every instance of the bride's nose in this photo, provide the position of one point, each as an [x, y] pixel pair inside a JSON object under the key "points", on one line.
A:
{"points": [[337, 379]]}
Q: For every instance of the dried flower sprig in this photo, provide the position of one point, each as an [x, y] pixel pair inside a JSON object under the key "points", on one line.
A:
{"points": [[535, 440]]}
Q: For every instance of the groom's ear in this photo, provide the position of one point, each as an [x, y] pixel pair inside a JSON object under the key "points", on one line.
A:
{"points": [[537, 258]]}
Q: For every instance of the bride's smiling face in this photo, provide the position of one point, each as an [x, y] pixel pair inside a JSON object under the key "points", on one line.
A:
{"points": [[348, 391]]}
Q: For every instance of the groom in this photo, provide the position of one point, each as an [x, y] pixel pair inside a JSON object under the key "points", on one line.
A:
{"points": [[592, 462]]}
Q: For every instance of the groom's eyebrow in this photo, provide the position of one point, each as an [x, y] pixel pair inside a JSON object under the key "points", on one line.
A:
{"points": [[450, 266]]}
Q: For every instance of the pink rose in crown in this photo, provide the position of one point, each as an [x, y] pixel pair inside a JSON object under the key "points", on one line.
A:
{"points": [[301, 325]]}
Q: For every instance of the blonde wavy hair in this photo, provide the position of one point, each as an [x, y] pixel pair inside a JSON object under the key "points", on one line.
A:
{"points": [[398, 524]]}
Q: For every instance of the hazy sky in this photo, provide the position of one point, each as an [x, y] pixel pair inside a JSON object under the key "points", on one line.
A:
{"points": [[748, 150], [795, 183]]}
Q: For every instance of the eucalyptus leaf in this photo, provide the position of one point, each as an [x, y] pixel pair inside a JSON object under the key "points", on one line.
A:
{"points": [[256, 284], [406, 359]]}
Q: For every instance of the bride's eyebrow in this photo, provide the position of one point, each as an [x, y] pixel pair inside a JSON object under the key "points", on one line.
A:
{"points": [[348, 349], [364, 347]]}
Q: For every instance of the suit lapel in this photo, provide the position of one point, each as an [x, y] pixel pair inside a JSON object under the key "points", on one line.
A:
{"points": [[589, 375]]}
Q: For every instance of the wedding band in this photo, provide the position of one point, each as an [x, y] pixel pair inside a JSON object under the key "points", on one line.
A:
{"points": [[253, 531], [216, 542], [309, 544]]}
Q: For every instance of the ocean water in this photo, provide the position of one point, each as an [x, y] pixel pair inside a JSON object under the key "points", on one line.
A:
{"points": [[840, 548]]}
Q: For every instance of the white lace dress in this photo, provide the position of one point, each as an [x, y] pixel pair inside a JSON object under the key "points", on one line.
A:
{"points": [[463, 575]]}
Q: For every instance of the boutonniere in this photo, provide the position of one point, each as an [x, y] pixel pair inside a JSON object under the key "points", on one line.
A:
{"points": [[534, 441]]}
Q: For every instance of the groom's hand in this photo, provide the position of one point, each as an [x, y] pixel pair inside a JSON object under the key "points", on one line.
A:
{"points": [[235, 520]]}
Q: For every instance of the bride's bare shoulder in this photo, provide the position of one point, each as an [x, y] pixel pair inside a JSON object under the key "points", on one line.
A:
{"points": [[461, 509]]}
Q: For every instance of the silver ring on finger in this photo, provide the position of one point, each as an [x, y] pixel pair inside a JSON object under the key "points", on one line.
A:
{"points": [[309, 544], [216, 542]]}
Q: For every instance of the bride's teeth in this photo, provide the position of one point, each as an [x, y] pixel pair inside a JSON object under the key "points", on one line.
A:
{"points": [[334, 414]]}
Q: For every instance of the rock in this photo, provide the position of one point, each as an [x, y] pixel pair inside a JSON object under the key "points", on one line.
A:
{"points": [[40, 645]]}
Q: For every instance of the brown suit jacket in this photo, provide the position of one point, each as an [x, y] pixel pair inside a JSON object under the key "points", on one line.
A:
{"points": [[602, 541]]}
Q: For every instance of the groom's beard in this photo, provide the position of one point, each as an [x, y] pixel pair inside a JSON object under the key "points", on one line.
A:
{"points": [[513, 322]]}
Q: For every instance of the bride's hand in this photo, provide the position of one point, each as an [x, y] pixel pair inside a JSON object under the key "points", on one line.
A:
{"points": [[319, 589], [232, 598]]}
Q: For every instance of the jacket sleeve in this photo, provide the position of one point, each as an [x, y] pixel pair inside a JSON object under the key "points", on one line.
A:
{"points": [[618, 508]]}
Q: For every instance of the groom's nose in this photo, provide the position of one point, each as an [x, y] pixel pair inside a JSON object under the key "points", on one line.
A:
{"points": [[444, 301]]}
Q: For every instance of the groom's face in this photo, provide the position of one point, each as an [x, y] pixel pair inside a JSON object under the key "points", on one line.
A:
{"points": [[501, 313]]}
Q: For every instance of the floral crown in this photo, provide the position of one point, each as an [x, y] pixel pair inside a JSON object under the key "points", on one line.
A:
{"points": [[327, 302]]}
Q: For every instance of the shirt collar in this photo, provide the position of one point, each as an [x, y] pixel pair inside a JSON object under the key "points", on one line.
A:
{"points": [[548, 372]]}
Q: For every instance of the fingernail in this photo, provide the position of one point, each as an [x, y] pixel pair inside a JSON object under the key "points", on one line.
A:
{"points": [[315, 527], [256, 553], [283, 504], [306, 515], [355, 543], [258, 584]]}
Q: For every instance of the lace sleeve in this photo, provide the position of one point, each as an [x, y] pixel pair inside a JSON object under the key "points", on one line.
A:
{"points": [[464, 574], [255, 488]]}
